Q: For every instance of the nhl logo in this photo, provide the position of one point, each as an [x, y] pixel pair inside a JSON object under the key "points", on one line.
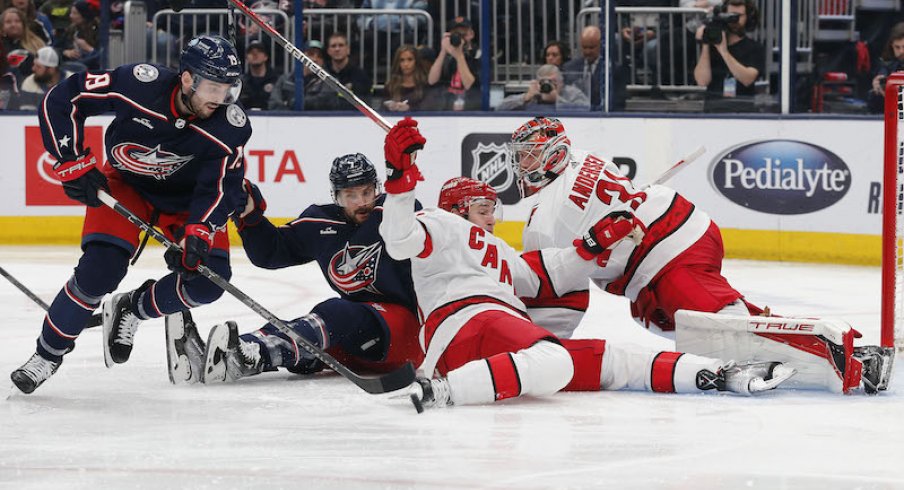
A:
{"points": [[491, 165], [180, 123]]}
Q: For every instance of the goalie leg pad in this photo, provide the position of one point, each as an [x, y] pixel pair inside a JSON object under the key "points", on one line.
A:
{"points": [[820, 350]]}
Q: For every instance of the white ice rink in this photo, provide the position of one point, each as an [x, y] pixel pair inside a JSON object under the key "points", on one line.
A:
{"points": [[127, 427]]}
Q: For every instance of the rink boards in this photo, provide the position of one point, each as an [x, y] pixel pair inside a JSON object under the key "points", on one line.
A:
{"points": [[780, 189]]}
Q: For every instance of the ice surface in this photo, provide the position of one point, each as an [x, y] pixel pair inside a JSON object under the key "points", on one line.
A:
{"points": [[127, 427]]}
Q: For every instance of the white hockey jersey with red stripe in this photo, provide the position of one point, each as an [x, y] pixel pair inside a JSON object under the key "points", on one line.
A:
{"points": [[460, 270], [588, 190]]}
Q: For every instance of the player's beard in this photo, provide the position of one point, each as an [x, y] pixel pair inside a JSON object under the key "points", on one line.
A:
{"points": [[360, 214], [201, 109]]}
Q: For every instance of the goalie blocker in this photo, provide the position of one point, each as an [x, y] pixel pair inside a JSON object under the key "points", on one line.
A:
{"points": [[822, 351]]}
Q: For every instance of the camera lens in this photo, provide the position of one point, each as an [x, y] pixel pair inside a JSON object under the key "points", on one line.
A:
{"points": [[545, 86], [455, 39]]}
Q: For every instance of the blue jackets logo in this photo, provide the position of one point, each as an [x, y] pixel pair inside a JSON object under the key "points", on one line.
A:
{"points": [[781, 177]]}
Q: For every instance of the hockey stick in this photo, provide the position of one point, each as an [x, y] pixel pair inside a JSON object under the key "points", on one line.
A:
{"points": [[314, 67], [677, 167], [95, 320], [396, 380]]}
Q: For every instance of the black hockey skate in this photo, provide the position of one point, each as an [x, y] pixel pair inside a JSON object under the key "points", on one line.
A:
{"points": [[34, 373], [120, 325], [430, 393], [747, 378], [877, 367], [227, 358], [184, 349]]}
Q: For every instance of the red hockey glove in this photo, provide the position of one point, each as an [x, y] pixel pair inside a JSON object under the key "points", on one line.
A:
{"points": [[251, 209], [606, 233], [81, 179], [401, 142], [196, 244]]}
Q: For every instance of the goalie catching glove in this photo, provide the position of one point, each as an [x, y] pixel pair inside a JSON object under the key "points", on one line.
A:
{"points": [[81, 179], [401, 142], [195, 244], [607, 233], [251, 211]]}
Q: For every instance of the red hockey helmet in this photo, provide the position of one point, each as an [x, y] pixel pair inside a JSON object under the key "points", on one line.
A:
{"points": [[540, 151], [460, 193]]}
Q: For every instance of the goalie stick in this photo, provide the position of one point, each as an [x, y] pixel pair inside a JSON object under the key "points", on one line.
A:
{"points": [[95, 320], [396, 380]]}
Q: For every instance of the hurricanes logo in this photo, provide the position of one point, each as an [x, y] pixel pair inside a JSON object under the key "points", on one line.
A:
{"points": [[354, 268], [149, 162]]}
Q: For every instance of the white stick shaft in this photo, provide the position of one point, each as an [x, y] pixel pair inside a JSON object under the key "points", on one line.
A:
{"points": [[677, 167]]}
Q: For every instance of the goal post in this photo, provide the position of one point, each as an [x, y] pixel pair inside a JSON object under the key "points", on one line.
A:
{"points": [[892, 207]]}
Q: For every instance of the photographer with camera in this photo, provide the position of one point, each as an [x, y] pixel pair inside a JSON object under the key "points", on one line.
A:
{"points": [[548, 89], [454, 74], [730, 62]]}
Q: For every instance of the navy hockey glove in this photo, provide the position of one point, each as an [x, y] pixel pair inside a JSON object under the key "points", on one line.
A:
{"points": [[81, 179], [196, 244], [607, 233], [251, 209], [399, 146]]}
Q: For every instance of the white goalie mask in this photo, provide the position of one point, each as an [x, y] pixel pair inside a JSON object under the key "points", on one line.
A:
{"points": [[539, 152]]}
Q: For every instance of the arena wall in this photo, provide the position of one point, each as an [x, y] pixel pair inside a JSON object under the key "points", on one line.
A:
{"points": [[780, 189]]}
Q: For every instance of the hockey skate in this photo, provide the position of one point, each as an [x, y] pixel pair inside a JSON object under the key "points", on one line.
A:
{"points": [[745, 379], [227, 358], [430, 393], [877, 367], [120, 325], [184, 349], [34, 373]]}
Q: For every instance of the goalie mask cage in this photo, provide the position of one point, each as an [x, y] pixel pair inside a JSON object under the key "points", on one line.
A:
{"points": [[892, 209]]}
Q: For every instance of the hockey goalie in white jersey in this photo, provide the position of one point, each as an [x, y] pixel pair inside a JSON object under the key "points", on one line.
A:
{"points": [[677, 266], [478, 339]]}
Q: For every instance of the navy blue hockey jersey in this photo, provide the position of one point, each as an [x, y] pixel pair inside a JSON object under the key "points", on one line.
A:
{"points": [[353, 258], [177, 164]]}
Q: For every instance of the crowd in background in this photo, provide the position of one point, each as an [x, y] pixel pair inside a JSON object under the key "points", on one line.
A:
{"points": [[43, 41]]}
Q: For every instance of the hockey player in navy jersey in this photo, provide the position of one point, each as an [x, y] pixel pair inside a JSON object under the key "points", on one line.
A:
{"points": [[174, 157], [372, 325]]}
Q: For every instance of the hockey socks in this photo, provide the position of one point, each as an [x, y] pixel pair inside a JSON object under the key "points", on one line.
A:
{"points": [[279, 350], [65, 319]]}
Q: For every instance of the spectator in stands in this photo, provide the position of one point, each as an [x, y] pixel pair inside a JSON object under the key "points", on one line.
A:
{"points": [[456, 71], [9, 88], [16, 34], [729, 68], [258, 82], [45, 74], [584, 72], [318, 96], [80, 39], [392, 23], [892, 60], [58, 13], [36, 21], [556, 53], [341, 67], [407, 84], [547, 91]]}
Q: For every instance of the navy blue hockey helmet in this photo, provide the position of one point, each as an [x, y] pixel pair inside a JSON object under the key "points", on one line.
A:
{"points": [[352, 170], [213, 58]]}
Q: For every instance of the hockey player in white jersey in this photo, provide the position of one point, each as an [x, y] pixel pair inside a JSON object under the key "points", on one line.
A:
{"points": [[677, 265], [477, 337]]}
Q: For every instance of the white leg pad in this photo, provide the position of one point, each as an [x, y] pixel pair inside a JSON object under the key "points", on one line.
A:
{"points": [[543, 369], [630, 367], [815, 348]]}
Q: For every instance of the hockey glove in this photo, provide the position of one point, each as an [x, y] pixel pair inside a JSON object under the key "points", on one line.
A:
{"points": [[251, 211], [607, 233], [401, 142], [196, 243], [81, 179]]}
